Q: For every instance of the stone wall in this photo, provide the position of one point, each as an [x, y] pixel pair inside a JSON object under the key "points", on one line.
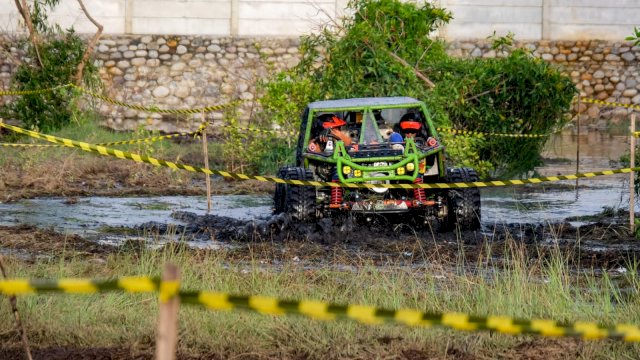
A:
{"points": [[196, 71]]}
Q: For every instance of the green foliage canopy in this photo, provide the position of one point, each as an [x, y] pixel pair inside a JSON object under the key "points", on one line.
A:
{"points": [[387, 49]]}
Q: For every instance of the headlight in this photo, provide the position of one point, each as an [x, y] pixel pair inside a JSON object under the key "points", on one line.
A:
{"points": [[400, 171], [346, 170], [422, 166], [410, 167]]}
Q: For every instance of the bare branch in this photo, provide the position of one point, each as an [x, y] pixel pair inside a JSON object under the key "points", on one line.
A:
{"points": [[419, 74], [23, 8], [404, 63], [90, 46]]}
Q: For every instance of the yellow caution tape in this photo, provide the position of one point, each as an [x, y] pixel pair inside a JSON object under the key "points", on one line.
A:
{"points": [[151, 109], [327, 311], [156, 138], [177, 166], [263, 131], [479, 133], [448, 130], [607, 103], [155, 109], [31, 92], [27, 145], [74, 286]]}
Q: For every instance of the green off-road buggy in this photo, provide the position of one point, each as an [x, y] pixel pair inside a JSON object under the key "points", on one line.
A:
{"points": [[377, 141]]}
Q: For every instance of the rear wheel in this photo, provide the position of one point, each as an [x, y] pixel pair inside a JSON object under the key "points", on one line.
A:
{"points": [[296, 200], [463, 203]]}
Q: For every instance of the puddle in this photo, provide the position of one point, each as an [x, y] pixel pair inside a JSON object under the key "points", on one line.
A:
{"points": [[92, 217]]}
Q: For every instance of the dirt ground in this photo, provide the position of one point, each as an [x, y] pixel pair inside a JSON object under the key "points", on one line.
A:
{"points": [[537, 349], [98, 176]]}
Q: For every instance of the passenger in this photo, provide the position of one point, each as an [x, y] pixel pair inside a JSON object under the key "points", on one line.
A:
{"points": [[410, 126]]}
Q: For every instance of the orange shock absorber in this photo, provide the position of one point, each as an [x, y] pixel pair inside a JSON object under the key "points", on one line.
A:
{"points": [[419, 194], [336, 194]]}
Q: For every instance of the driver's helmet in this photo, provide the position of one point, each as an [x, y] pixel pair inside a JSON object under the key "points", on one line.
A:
{"points": [[409, 123], [331, 121]]}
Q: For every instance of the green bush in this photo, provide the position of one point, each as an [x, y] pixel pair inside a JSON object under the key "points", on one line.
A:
{"points": [[386, 49], [52, 110], [53, 63]]}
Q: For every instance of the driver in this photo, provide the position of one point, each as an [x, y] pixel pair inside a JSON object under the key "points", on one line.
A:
{"points": [[331, 129]]}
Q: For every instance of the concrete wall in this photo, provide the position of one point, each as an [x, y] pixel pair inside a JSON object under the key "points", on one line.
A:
{"points": [[473, 19]]}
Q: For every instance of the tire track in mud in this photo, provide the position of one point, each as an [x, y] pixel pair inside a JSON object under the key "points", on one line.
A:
{"points": [[602, 244]]}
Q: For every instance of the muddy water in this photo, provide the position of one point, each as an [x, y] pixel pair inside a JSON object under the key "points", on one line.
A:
{"points": [[551, 202]]}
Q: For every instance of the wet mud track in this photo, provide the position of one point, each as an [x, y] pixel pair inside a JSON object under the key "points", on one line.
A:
{"points": [[603, 244]]}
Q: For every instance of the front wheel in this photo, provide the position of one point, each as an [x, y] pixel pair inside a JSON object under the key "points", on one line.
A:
{"points": [[296, 200], [463, 203]]}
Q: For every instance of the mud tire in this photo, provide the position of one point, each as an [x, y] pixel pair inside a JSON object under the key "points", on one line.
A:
{"points": [[464, 204], [295, 200]]}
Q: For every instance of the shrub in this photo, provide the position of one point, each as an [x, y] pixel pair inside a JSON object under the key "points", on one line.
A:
{"points": [[386, 49]]}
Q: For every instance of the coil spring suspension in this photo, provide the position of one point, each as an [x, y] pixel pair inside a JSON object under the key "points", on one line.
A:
{"points": [[336, 194], [419, 194]]}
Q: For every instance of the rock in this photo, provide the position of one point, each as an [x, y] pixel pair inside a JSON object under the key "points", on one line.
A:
{"points": [[598, 87], [179, 66], [146, 39], [593, 112], [475, 53], [560, 57], [612, 57], [630, 93], [141, 53], [138, 61], [630, 82], [489, 54], [163, 49], [123, 64], [572, 57], [586, 76], [153, 54], [181, 50], [182, 91], [598, 74], [547, 57], [628, 57], [227, 89], [636, 99], [103, 48], [161, 92]]}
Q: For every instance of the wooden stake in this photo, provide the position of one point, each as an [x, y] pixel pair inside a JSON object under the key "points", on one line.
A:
{"points": [[207, 178], [16, 315], [578, 148], [632, 175], [167, 337]]}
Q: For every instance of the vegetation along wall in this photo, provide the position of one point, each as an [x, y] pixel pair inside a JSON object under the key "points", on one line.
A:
{"points": [[224, 47]]}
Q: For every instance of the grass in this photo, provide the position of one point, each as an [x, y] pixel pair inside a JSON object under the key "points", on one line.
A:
{"points": [[517, 287]]}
